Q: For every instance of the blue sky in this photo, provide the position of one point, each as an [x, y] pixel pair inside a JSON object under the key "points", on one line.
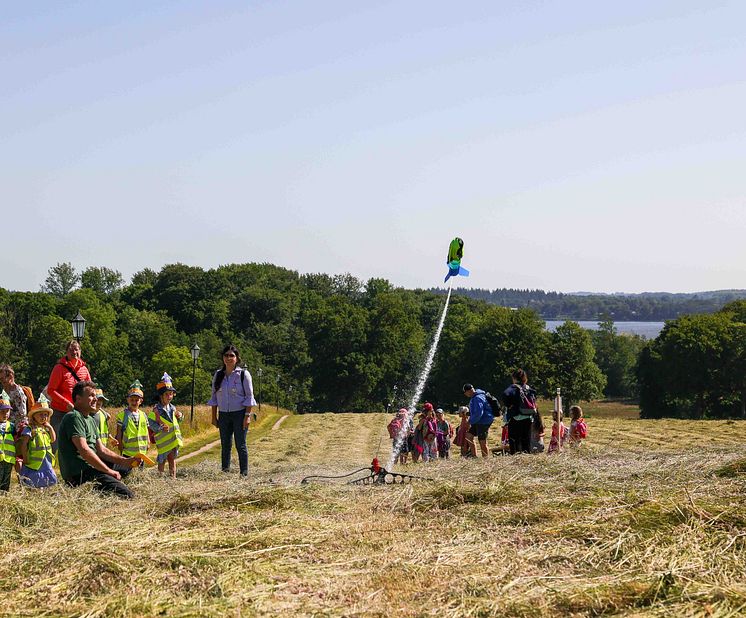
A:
{"points": [[572, 145]]}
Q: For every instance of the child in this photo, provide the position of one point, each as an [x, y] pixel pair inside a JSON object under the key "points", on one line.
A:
{"points": [[102, 421], [132, 424], [444, 433], [429, 434], [418, 439], [164, 422], [463, 428], [396, 429], [35, 445], [578, 428], [537, 434], [559, 433], [7, 442]]}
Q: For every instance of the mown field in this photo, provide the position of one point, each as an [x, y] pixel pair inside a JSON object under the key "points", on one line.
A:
{"points": [[646, 518]]}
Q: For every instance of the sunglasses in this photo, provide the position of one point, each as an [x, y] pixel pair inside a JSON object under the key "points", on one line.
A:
{"points": [[229, 355]]}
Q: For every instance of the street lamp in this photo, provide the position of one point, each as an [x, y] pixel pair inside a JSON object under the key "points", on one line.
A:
{"points": [[277, 380], [290, 397], [78, 323], [259, 399], [194, 351]]}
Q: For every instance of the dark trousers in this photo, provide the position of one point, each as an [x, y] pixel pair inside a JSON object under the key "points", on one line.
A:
{"points": [[5, 471], [519, 436], [103, 483], [230, 425], [55, 422]]}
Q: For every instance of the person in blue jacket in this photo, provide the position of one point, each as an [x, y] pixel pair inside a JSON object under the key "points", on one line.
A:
{"points": [[480, 419]]}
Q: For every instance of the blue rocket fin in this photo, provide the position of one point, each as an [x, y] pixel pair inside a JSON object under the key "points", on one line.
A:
{"points": [[463, 272]]}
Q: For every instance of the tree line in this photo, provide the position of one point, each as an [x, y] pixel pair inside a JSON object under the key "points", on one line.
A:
{"points": [[322, 342], [696, 367], [648, 306]]}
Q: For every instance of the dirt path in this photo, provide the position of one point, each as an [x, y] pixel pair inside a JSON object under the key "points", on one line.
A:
{"points": [[199, 451], [212, 445], [276, 426]]}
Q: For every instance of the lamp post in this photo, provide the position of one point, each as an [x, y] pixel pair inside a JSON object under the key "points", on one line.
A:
{"points": [[290, 397], [194, 351], [78, 323], [277, 380], [259, 399]]}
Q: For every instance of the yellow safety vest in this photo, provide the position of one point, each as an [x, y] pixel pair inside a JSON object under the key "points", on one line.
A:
{"points": [[103, 427], [7, 444], [134, 435], [39, 446], [166, 441]]}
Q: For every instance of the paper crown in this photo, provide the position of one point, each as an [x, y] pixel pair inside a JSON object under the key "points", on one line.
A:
{"points": [[41, 405], [166, 384], [5, 401], [135, 389]]}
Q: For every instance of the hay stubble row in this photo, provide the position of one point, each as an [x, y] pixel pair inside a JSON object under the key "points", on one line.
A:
{"points": [[638, 521]]}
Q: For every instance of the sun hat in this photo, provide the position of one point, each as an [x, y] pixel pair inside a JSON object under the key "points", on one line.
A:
{"points": [[135, 389], [5, 401], [166, 384], [100, 394], [41, 405]]}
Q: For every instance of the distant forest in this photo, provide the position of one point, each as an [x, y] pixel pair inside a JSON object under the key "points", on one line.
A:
{"points": [[648, 306]]}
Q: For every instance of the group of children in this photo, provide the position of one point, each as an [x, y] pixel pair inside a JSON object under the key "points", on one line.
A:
{"points": [[28, 447], [431, 437], [428, 440]]}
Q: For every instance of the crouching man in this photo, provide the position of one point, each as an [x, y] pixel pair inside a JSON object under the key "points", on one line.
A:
{"points": [[82, 456]]}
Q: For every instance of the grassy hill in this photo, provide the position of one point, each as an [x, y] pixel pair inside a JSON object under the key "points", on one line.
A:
{"points": [[646, 518]]}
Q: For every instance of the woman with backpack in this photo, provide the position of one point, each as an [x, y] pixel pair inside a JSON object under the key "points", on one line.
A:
{"points": [[68, 371], [520, 400], [232, 400]]}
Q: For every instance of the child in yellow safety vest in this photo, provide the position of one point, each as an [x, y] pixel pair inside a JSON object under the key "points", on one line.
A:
{"points": [[7, 442], [102, 420], [132, 424], [35, 446], [164, 422]]}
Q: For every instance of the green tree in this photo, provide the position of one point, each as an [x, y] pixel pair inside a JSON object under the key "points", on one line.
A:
{"points": [[342, 374], [46, 343], [502, 341], [571, 365], [616, 356], [396, 341], [694, 354], [101, 279], [61, 280], [177, 362]]}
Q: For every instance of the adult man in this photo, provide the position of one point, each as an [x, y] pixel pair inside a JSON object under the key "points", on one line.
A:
{"points": [[82, 456], [480, 419]]}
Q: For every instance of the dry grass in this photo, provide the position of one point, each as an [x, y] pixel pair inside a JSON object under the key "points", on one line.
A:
{"points": [[647, 518]]}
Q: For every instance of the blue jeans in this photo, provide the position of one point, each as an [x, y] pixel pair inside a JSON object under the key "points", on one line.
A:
{"points": [[230, 425]]}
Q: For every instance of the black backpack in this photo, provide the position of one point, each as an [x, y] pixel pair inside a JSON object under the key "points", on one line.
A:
{"points": [[494, 404]]}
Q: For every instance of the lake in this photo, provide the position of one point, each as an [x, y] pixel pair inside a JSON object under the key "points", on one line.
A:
{"points": [[650, 330]]}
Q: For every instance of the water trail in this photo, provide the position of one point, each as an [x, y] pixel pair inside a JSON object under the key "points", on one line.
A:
{"points": [[402, 435]]}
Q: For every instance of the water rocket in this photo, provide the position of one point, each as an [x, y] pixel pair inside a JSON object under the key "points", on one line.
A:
{"points": [[453, 261]]}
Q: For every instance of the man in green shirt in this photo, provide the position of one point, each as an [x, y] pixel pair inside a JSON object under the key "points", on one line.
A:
{"points": [[82, 456]]}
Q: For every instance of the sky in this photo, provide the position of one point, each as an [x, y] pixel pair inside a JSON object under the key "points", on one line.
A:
{"points": [[573, 145]]}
